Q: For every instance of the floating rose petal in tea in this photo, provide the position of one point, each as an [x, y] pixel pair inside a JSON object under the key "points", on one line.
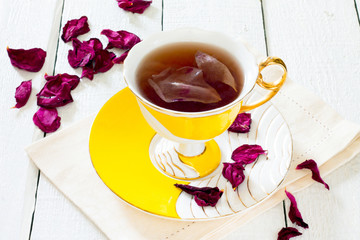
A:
{"points": [[120, 39], [134, 6], [74, 28], [81, 55], [183, 84], [241, 124], [247, 154], [22, 93], [234, 172], [31, 60], [204, 196], [294, 213], [287, 233], [312, 166], [214, 70], [47, 119], [121, 58]]}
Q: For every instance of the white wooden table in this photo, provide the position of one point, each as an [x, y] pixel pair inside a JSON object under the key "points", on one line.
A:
{"points": [[318, 39]]}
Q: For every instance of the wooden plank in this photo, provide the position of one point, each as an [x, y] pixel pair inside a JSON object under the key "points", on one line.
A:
{"points": [[55, 217], [319, 41], [19, 26]]}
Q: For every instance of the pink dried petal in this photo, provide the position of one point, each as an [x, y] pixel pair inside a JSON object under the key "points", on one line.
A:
{"points": [[74, 28], [287, 233], [22, 93], [311, 165], [183, 84], [214, 70], [134, 6], [120, 39], [62, 97], [47, 119], [294, 213], [103, 61], [72, 80], [88, 72], [31, 60], [247, 154], [234, 172], [121, 58], [82, 53], [204, 196], [241, 124], [94, 43]]}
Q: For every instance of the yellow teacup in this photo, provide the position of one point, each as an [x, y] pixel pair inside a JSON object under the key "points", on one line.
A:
{"points": [[192, 132]]}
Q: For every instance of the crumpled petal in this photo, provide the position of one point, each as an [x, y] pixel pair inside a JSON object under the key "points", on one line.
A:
{"points": [[214, 70], [88, 72], [241, 124], [120, 39], [234, 172], [94, 43], [134, 6], [82, 53], [183, 84], [294, 213], [311, 165], [121, 58], [31, 60], [204, 196], [103, 61], [47, 119], [72, 80], [287, 233], [22, 93], [74, 28], [247, 154]]}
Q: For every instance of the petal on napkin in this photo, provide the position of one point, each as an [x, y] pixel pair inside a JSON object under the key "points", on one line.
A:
{"points": [[234, 172], [103, 61], [74, 28], [121, 58], [204, 196], [183, 84], [214, 70], [81, 55], [134, 6], [120, 39], [72, 80], [247, 154], [241, 124], [287, 233], [31, 60], [47, 119], [312, 166], [22, 93], [294, 213]]}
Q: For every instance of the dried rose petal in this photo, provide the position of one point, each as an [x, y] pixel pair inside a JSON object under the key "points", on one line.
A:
{"points": [[241, 124], [82, 53], [234, 172], [103, 61], [72, 80], [120, 39], [121, 58], [294, 213], [311, 164], [31, 60], [74, 28], [287, 233], [22, 93], [47, 119], [204, 196], [88, 72], [94, 43], [247, 154], [134, 6]]}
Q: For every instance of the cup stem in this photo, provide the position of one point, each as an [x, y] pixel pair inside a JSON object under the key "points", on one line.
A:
{"points": [[190, 149]]}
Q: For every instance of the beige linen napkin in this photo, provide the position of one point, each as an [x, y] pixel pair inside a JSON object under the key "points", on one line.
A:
{"points": [[318, 133]]}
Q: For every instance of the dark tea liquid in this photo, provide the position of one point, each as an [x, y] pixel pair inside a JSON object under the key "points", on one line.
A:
{"points": [[180, 55]]}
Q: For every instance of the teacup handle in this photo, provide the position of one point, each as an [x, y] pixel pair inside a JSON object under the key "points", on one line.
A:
{"points": [[273, 87]]}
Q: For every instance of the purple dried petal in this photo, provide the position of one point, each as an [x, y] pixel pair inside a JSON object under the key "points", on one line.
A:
{"points": [[47, 119], [31, 60], [294, 213], [311, 165], [94, 43], [120, 39], [103, 61], [82, 53], [287, 233], [204, 196], [74, 28], [247, 154], [88, 72], [134, 6], [241, 124], [72, 80], [22, 93], [121, 58], [234, 172]]}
